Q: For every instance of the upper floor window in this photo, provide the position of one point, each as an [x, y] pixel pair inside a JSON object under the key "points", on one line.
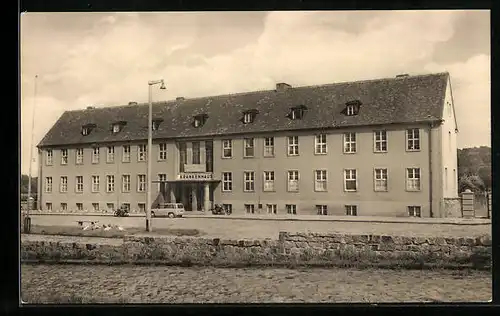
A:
{"points": [[293, 181], [64, 156], [48, 184], [79, 156], [413, 179], [86, 129], [320, 183], [63, 185], [141, 183], [269, 147], [249, 180], [352, 108], [110, 157], [196, 160], [117, 126], [380, 141], [268, 181], [141, 153], [227, 148], [95, 155], [126, 183], [156, 124], [110, 183], [79, 184], [349, 143], [199, 120], [227, 182], [249, 116], [350, 180], [293, 145], [126, 153], [297, 112], [162, 178], [380, 179], [162, 151], [249, 147], [320, 144], [48, 157], [95, 183], [413, 139]]}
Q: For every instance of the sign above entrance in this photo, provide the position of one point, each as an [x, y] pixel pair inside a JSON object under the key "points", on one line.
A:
{"points": [[195, 176], [194, 167]]}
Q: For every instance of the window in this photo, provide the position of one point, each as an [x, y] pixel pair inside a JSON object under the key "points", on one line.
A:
{"points": [[293, 145], [95, 206], [291, 209], [85, 131], [380, 179], [141, 153], [293, 181], [227, 148], [110, 157], [48, 184], [196, 153], [95, 183], [249, 147], [322, 209], [351, 210], [228, 207], [126, 206], [272, 209], [79, 206], [95, 155], [162, 177], [269, 147], [320, 144], [446, 178], [142, 207], [350, 110], [116, 128], [247, 117], [249, 208], [268, 181], [126, 153], [48, 206], [249, 177], [320, 182], [156, 124], [162, 151], [349, 143], [414, 211], [126, 183], [297, 112], [227, 181], [79, 184], [141, 183], [110, 183], [380, 141], [63, 184], [413, 139], [79, 156], [110, 207], [413, 179], [64, 207], [64, 156], [350, 180], [48, 157]]}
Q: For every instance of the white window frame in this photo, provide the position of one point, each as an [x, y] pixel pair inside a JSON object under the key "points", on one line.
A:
{"points": [[79, 206], [79, 184], [49, 155], [126, 183], [116, 128], [110, 207], [349, 140], [227, 144], [110, 154], [95, 155], [268, 147], [79, 156], [162, 152], [321, 209], [110, 183], [249, 208], [380, 180], [48, 184], [350, 110], [272, 209], [351, 210], [379, 141], [141, 152], [320, 180], [413, 139], [350, 175], [126, 153], [248, 145], [414, 211], [141, 207], [64, 156], [141, 183], [63, 184], [95, 183], [247, 117], [94, 206], [48, 206], [291, 209], [413, 179], [249, 177], [269, 178], [162, 177], [293, 178], [227, 181], [64, 206], [292, 146], [320, 144]]}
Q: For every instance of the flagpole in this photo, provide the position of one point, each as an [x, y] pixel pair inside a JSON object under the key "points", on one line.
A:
{"points": [[31, 156]]}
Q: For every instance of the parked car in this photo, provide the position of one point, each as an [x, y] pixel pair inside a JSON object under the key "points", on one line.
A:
{"points": [[170, 210]]}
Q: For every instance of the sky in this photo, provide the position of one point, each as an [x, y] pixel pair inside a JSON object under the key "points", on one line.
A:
{"points": [[106, 59]]}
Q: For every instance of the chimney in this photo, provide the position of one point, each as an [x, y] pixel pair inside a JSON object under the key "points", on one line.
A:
{"points": [[402, 76], [179, 99], [90, 107], [282, 86], [132, 103]]}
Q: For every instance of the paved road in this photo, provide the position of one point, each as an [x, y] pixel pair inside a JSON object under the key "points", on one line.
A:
{"points": [[253, 229], [139, 284]]}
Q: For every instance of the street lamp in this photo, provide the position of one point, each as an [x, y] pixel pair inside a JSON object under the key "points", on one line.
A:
{"points": [[150, 145], [27, 220]]}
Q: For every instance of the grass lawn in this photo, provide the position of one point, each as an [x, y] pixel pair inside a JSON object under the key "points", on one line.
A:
{"points": [[113, 233]]}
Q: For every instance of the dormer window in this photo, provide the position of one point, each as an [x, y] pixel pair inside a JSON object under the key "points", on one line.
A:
{"points": [[117, 126], [156, 124], [297, 112], [86, 129], [352, 108], [199, 120], [249, 116]]}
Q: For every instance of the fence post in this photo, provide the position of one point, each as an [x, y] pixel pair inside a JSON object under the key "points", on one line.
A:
{"points": [[488, 194], [467, 202]]}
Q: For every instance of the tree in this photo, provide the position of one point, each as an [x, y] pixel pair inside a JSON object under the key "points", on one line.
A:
{"points": [[24, 184], [485, 174], [473, 183]]}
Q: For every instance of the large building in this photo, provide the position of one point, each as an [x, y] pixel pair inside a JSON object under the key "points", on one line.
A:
{"points": [[383, 147]]}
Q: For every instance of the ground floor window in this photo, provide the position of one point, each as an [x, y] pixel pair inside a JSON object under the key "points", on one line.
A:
{"points": [[126, 206], [48, 206], [291, 209], [95, 206], [79, 206], [414, 211], [228, 207], [64, 206], [249, 208], [351, 210], [272, 209], [142, 207], [322, 209], [110, 207]]}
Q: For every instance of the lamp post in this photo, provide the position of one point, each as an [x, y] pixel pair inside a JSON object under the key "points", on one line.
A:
{"points": [[150, 145], [27, 220]]}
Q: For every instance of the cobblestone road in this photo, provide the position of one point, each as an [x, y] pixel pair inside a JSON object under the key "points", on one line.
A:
{"points": [[140, 284]]}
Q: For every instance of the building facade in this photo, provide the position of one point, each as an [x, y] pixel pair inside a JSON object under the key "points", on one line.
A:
{"points": [[383, 147]]}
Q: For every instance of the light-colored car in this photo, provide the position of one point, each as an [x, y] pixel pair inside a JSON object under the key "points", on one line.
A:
{"points": [[168, 209]]}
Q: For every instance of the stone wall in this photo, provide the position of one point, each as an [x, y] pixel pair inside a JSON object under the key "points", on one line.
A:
{"points": [[290, 250]]}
